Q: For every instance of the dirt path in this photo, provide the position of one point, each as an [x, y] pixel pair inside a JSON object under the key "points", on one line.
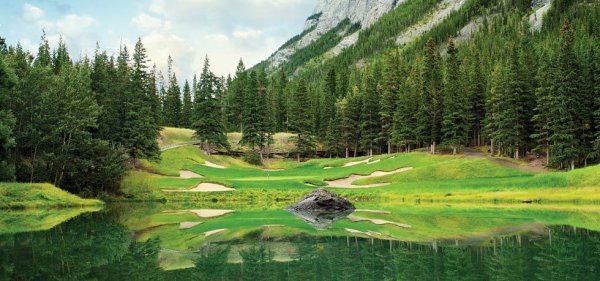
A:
{"points": [[347, 182], [536, 166]]}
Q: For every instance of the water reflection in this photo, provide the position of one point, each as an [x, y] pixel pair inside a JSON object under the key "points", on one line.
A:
{"points": [[98, 247]]}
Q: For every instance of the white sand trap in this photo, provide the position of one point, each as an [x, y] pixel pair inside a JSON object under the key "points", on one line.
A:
{"points": [[354, 163], [213, 165], [203, 213], [373, 162], [372, 211], [213, 232], [347, 182], [368, 233], [354, 231], [183, 174], [354, 218], [203, 187], [273, 170], [188, 225], [273, 225], [327, 168]]}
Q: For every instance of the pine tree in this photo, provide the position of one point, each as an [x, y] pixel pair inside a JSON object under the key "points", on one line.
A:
{"points": [[43, 58], [236, 98], [140, 130], [172, 103], [407, 109], [494, 109], [390, 92], [207, 115], [476, 93], [252, 136], [430, 114], [61, 58], [455, 124], [301, 125], [596, 88], [186, 110], [370, 122]]}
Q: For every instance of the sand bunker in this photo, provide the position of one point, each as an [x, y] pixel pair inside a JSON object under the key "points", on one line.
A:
{"points": [[368, 233], [213, 165], [354, 218], [188, 175], [354, 163], [373, 162], [273, 225], [372, 211], [213, 232], [188, 225], [203, 213], [347, 182], [204, 187]]}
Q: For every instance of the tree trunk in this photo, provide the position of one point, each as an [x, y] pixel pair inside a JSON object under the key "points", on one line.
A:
{"points": [[492, 147], [453, 150], [347, 152]]}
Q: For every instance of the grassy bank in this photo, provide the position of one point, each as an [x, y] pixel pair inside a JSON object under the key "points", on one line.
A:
{"points": [[433, 178], [39, 195]]}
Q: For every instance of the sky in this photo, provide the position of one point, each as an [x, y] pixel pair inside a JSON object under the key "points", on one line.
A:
{"points": [[188, 30]]}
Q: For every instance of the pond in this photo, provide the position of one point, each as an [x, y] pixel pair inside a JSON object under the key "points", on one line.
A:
{"points": [[377, 242]]}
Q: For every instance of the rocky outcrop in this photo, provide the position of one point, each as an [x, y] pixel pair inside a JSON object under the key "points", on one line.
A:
{"points": [[327, 15], [322, 208]]}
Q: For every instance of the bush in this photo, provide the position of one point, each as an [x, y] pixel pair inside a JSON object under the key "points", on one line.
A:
{"points": [[253, 158]]}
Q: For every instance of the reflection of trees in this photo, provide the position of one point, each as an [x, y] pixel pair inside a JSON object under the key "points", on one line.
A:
{"points": [[95, 247], [90, 247]]}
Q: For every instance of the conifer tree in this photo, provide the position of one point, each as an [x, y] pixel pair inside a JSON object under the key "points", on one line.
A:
{"points": [[43, 58], [252, 136], [430, 112], [407, 109], [172, 103], [455, 124], [140, 130], [476, 97], [390, 91], [207, 115], [236, 98], [186, 110], [301, 124], [370, 120]]}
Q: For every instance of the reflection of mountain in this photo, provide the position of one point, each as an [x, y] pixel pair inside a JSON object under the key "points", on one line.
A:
{"points": [[320, 219]]}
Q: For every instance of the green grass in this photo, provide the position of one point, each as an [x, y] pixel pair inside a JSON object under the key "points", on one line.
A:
{"points": [[436, 178], [39, 195]]}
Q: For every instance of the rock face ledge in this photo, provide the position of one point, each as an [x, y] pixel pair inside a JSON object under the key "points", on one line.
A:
{"points": [[322, 208]]}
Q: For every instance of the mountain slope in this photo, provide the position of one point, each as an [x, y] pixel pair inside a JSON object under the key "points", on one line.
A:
{"points": [[359, 29]]}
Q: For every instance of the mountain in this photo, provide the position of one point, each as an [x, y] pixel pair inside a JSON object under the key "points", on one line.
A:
{"points": [[365, 27]]}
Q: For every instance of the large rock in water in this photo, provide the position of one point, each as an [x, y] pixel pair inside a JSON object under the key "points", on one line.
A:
{"points": [[322, 208]]}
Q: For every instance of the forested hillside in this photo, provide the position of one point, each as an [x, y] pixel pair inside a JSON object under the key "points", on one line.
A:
{"points": [[428, 75], [498, 73]]}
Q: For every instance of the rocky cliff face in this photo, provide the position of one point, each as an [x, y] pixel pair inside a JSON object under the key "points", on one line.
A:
{"points": [[327, 15]]}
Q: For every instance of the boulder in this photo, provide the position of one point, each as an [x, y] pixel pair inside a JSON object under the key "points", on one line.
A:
{"points": [[322, 208]]}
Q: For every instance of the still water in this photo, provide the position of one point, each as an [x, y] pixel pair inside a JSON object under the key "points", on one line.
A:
{"points": [[161, 242]]}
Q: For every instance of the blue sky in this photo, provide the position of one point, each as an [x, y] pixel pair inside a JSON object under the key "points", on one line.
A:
{"points": [[225, 30]]}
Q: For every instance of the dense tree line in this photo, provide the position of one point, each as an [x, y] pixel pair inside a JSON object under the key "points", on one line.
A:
{"points": [[518, 91], [76, 124]]}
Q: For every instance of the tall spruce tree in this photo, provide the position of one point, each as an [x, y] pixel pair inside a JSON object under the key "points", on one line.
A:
{"points": [[172, 104], [236, 98], [407, 109], [140, 130], [207, 115], [430, 112], [301, 124], [455, 123], [252, 136], [390, 91], [370, 120], [187, 106]]}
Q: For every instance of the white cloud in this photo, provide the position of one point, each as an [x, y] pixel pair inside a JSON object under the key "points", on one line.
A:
{"points": [[248, 33], [32, 13], [73, 25], [148, 22]]}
